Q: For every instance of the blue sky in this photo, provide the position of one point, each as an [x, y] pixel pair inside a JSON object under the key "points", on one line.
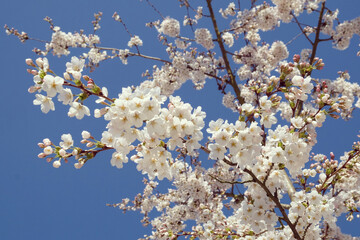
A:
{"points": [[40, 202]]}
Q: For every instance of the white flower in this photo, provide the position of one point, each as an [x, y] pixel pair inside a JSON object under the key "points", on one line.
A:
{"points": [[67, 141], [118, 159], [107, 139], [265, 104], [135, 41], [78, 110], [52, 85], [76, 65], [65, 96], [62, 152], [297, 122], [279, 50], [78, 165], [85, 134], [204, 38], [268, 119], [216, 151], [48, 150], [46, 103], [228, 39], [170, 27], [56, 164]]}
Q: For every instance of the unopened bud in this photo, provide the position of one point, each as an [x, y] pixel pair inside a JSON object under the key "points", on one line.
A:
{"points": [[32, 89], [47, 142], [62, 152], [56, 164], [30, 62], [41, 145], [39, 62], [48, 150], [41, 155], [67, 76], [86, 77], [78, 165]]}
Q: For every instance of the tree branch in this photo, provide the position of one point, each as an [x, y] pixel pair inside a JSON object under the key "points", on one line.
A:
{"points": [[277, 203], [224, 55]]}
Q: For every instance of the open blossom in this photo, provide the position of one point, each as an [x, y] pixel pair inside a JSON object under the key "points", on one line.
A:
{"points": [[65, 96], [243, 191], [67, 141], [52, 85], [46, 103], [118, 159], [204, 38], [268, 119], [228, 39], [78, 110], [76, 65], [170, 27], [297, 122], [135, 41]]}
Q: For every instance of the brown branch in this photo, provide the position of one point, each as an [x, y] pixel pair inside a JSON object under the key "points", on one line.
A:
{"points": [[317, 36], [224, 55], [313, 53], [277, 203], [301, 29], [338, 170]]}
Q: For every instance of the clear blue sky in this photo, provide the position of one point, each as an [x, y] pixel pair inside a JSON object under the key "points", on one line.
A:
{"points": [[40, 202]]}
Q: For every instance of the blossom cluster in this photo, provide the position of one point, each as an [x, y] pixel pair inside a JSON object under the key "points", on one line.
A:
{"points": [[263, 182]]}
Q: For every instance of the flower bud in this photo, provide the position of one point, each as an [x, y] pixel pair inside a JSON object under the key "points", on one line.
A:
{"points": [[39, 62], [78, 165], [56, 164], [48, 150], [62, 152], [85, 134], [41, 155], [30, 62], [47, 142], [67, 76]]}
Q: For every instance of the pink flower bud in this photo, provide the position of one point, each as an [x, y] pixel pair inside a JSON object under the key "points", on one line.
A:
{"points": [[41, 145], [30, 62], [47, 142], [41, 155]]}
